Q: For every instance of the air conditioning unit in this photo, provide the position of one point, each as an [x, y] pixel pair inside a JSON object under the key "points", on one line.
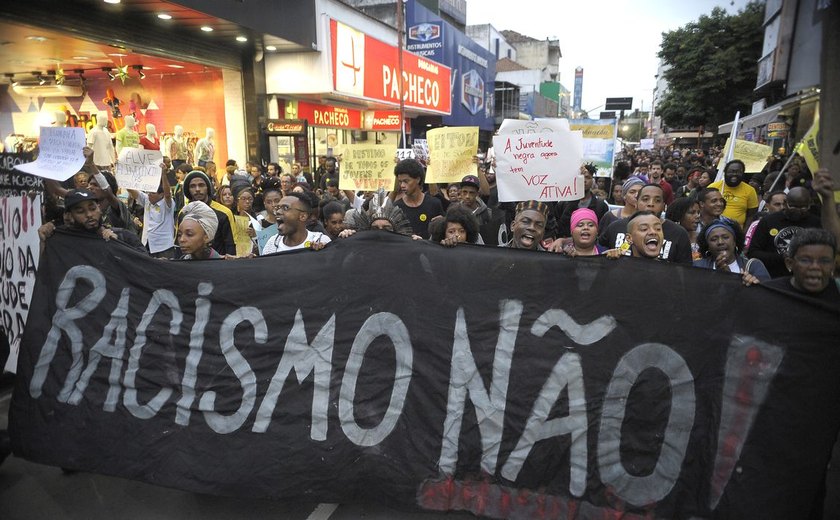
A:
{"points": [[35, 89]]}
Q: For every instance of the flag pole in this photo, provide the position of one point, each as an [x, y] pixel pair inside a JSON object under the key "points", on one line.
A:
{"points": [[731, 151], [776, 180]]}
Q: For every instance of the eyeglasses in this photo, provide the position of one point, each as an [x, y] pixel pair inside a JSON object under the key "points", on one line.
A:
{"points": [[286, 207], [807, 261]]}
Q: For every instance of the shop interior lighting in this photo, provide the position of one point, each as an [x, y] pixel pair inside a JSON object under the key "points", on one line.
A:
{"points": [[270, 48], [241, 39], [37, 38], [139, 69], [112, 1], [164, 16], [206, 28]]}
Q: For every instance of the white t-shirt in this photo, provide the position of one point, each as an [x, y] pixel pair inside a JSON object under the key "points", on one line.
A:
{"points": [[275, 243], [158, 223]]}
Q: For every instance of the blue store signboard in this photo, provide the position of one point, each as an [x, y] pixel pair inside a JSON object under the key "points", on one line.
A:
{"points": [[473, 67]]}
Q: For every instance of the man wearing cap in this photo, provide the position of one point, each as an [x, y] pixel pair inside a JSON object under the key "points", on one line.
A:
{"points": [[83, 214], [198, 187], [528, 226], [564, 210], [468, 199]]}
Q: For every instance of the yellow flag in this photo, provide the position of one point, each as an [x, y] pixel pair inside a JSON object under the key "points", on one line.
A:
{"points": [[809, 146]]}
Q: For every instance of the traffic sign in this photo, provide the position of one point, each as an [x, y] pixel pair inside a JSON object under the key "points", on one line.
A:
{"points": [[619, 103]]}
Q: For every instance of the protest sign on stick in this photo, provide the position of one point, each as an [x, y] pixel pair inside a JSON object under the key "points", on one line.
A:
{"points": [[754, 155], [367, 167], [451, 153], [538, 160], [20, 218], [59, 153], [139, 169]]}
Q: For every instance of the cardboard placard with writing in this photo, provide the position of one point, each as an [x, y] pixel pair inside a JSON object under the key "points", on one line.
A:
{"points": [[538, 160], [754, 155], [367, 167], [20, 218], [59, 153], [139, 169], [451, 153]]}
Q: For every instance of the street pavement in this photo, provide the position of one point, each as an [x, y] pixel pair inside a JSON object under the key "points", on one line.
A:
{"points": [[33, 491]]}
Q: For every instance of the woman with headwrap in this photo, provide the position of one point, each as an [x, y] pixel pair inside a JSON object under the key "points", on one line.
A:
{"points": [[721, 242], [196, 231]]}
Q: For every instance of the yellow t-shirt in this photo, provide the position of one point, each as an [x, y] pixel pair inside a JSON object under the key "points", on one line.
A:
{"points": [[738, 200]]}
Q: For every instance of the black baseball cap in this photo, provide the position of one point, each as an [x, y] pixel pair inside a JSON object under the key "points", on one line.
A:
{"points": [[74, 197], [470, 180]]}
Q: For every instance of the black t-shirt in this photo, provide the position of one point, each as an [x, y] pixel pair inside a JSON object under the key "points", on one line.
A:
{"points": [[420, 216], [772, 236], [676, 248]]}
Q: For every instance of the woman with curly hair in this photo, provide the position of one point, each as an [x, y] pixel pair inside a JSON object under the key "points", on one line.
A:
{"points": [[686, 212], [459, 225]]}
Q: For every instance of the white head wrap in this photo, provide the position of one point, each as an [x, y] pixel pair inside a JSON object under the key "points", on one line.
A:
{"points": [[204, 215]]}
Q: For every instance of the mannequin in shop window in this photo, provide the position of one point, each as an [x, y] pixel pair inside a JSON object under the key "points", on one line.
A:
{"points": [[99, 139], [60, 119], [127, 137], [205, 148], [178, 147], [150, 140]]}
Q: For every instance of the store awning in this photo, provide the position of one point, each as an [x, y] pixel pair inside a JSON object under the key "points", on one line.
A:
{"points": [[687, 135], [768, 115]]}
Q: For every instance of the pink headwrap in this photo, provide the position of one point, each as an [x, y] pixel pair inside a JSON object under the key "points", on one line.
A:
{"points": [[583, 214]]}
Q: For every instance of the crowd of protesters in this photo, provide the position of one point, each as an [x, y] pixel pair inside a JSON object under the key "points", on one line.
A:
{"points": [[658, 204]]}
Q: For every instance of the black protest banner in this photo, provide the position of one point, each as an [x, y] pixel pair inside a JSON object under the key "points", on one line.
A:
{"points": [[14, 182], [507, 383]]}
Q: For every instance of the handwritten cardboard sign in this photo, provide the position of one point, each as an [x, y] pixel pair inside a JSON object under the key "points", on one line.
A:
{"points": [[451, 153], [20, 218], [754, 155], [367, 167], [139, 169], [59, 153], [538, 160]]}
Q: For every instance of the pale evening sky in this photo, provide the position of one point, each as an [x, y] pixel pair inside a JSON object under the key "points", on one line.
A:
{"points": [[615, 41]]}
